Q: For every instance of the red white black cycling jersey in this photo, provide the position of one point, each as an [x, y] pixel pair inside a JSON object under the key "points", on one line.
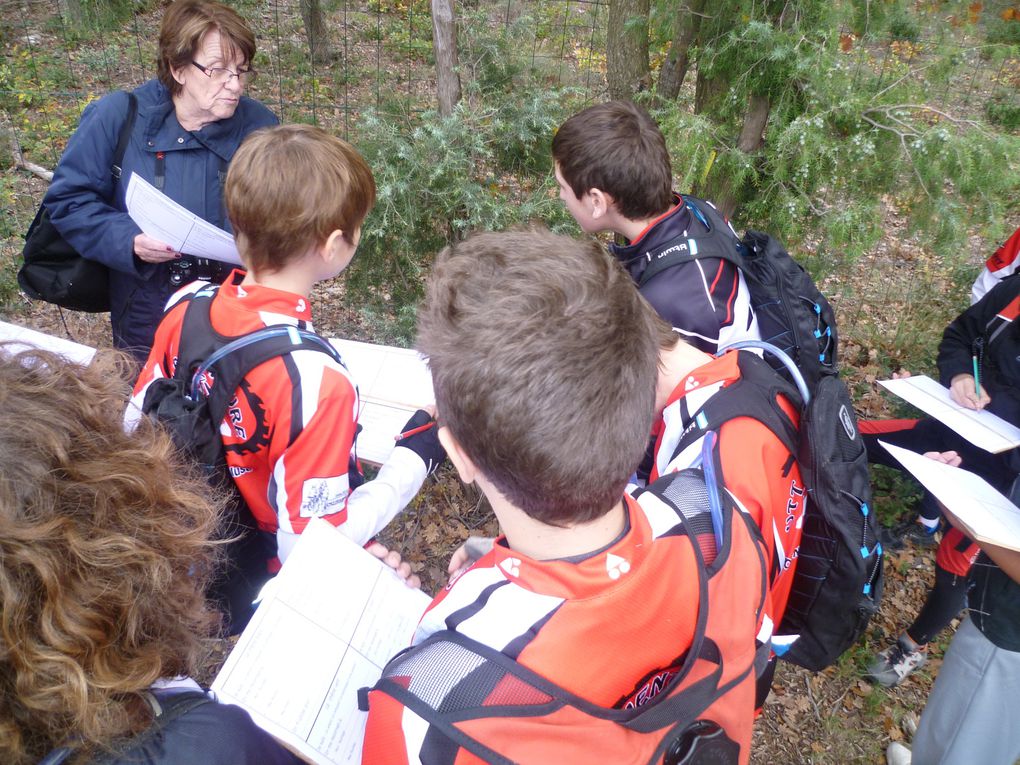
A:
{"points": [[290, 436], [1002, 263], [758, 470], [611, 626], [707, 300]]}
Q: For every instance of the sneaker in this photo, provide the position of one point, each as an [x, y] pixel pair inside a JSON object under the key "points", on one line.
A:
{"points": [[920, 535], [897, 661], [898, 754]]}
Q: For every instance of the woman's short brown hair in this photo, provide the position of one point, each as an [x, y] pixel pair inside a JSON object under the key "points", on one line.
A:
{"points": [[104, 557], [186, 23], [544, 361], [289, 187]]}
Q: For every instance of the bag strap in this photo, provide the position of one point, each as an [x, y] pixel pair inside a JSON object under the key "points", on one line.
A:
{"points": [[754, 395], [125, 136], [166, 707], [718, 242], [230, 359]]}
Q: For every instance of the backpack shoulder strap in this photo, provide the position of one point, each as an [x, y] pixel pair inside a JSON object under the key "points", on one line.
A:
{"points": [[230, 363], [198, 339], [166, 708], [125, 136], [754, 395], [718, 242]]}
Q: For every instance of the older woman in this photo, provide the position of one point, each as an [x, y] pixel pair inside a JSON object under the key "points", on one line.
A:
{"points": [[104, 555], [189, 122]]}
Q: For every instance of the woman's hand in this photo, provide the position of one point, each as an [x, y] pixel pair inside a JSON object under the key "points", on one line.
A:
{"points": [[964, 392], [154, 251], [392, 559]]}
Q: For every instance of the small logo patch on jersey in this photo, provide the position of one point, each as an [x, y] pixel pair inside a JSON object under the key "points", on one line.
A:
{"points": [[512, 566], [237, 472], [323, 496], [690, 383], [300, 307], [616, 566], [241, 293]]}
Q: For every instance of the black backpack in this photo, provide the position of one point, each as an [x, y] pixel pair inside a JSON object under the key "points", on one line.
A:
{"points": [[52, 269], [792, 314], [837, 585], [193, 417], [166, 707]]}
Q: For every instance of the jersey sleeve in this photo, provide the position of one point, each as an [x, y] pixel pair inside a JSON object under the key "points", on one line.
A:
{"points": [[959, 339], [311, 477]]}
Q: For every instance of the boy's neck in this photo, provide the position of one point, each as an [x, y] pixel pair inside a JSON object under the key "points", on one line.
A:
{"points": [[293, 280], [674, 365], [540, 541], [632, 228]]}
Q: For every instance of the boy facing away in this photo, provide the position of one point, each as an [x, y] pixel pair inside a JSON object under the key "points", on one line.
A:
{"points": [[614, 174], [545, 390], [296, 197], [757, 467]]}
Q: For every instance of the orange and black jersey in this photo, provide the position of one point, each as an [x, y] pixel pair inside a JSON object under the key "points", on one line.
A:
{"points": [[611, 627], [758, 469], [290, 434]]}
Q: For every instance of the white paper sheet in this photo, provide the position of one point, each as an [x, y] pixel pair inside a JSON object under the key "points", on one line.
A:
{"points": [[162, 218], [334, 617], [24, 338], [987, 515], [983, 429], [393, 383]]}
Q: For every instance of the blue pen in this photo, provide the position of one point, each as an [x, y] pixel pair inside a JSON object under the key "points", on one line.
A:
{"points": [[977, 379]]}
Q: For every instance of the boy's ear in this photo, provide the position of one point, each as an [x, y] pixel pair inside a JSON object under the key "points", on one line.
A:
{"points": [[465, 467], [337, 250], [601, 203]]}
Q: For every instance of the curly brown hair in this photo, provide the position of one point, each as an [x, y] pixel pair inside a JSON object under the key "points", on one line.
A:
{"points": [[105, 555]]}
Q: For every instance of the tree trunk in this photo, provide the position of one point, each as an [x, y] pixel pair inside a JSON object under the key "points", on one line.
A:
{"points": [[627, 48], [73, 12], [444, 40], [315, 29], [707, 92], [686, 26], [752, 134]]}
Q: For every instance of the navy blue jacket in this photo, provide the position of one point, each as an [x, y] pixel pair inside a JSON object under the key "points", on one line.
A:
{"points": [[87, 206], [707, 301]]}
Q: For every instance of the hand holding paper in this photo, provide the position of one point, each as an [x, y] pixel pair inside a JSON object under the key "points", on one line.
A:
{"points": [[981, 512], [980, 427]]}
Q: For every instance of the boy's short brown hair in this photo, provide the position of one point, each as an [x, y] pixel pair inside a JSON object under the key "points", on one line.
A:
{"points": [[289, 187], [544, 360], [616, 147]]}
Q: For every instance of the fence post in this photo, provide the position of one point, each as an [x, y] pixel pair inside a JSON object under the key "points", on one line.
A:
{"points": [[444, 39]]}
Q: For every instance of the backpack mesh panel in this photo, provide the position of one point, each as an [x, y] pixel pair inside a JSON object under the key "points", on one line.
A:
{"points": [[688, 494], [467, 680]]}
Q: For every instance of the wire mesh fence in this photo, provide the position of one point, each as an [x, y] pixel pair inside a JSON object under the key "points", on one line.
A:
{"points": [[57, 55]]}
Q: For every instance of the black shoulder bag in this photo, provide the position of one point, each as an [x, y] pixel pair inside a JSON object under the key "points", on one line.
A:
{"points": [[53, 270]]}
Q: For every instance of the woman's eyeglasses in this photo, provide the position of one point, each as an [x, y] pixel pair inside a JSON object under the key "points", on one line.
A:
{"points": [[220, 75]]}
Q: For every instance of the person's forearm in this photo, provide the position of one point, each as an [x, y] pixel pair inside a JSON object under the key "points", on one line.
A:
{"points": [[1006, 559]]}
